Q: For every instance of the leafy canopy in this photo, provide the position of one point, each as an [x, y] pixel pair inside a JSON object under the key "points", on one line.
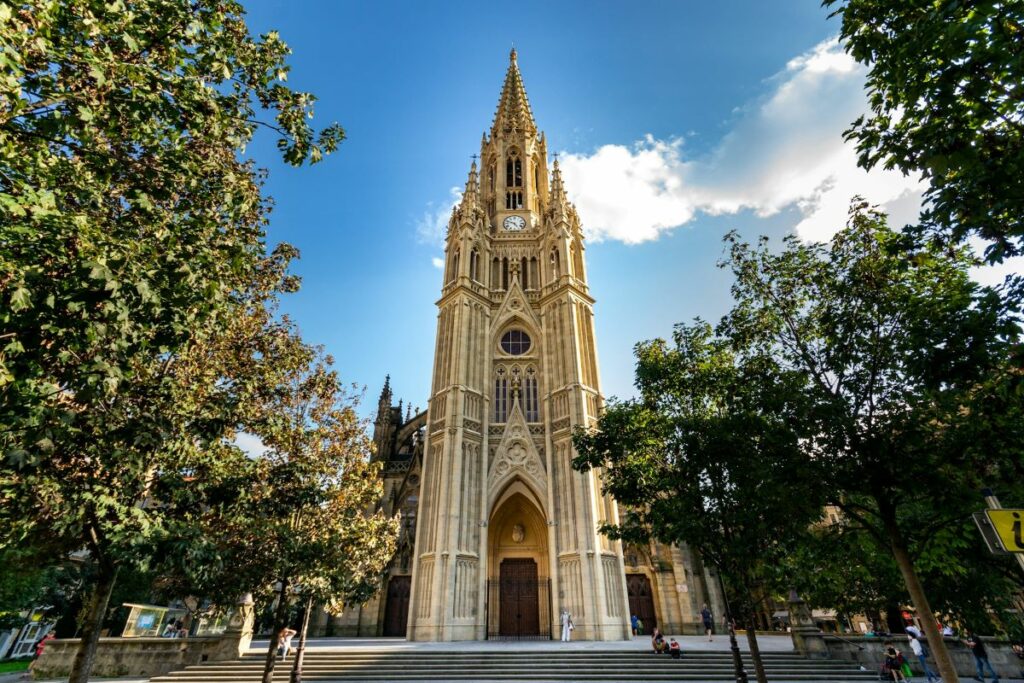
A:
{"points": [[946, 97]]}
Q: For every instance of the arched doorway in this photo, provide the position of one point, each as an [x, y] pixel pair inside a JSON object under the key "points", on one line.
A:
{"points": [[641, 600], [518, 587]]}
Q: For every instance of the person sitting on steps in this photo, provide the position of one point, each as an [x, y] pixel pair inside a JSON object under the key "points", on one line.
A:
{"points": [[658, 642]]}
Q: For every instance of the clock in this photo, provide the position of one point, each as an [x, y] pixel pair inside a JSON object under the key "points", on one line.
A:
{"points": [[514, 223]]}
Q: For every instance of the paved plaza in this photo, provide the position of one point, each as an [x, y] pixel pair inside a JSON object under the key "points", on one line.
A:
{"points": [[768, 643]]}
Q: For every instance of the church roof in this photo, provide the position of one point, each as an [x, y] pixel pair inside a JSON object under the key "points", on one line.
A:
{"points": [[513, 107]]}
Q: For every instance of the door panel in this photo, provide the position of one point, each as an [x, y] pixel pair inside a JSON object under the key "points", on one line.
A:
{"points": [[641, 600], [518, 600], [396, 612]]}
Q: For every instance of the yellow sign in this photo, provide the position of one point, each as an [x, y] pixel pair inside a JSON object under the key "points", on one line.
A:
{"points": [[1009, 526]]}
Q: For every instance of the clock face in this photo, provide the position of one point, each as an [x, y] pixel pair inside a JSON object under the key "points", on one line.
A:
{"points": [[514, 223]]}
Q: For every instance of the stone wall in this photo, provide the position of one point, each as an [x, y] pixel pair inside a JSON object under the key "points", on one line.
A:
{"points": [[869, 653], [148, 657], [132, 656]]}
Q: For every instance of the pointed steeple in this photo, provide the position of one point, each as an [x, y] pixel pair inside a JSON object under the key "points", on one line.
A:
{"points": [[472, 186], [513, 106], [470, 207], [558, 204], [384, 402], [557, 188]]}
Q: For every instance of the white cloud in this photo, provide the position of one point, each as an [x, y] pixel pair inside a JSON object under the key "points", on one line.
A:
{"points": [[783, 150], [250, 443], [433, 224], [438, 262]]}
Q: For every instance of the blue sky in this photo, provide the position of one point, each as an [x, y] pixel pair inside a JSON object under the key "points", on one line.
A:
{"points": [[678, 121]]}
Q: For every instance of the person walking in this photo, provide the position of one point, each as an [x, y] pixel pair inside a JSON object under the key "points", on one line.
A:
{"points": [[920, 650], [709, 621], [636, 625], [565, 619], [980, 657]]}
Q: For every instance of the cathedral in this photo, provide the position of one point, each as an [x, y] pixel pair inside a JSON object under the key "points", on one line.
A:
{"points": [[499, 533]]}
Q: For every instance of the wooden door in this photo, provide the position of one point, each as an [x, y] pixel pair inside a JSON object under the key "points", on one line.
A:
{"points": [[518, 600], [641, 600], [396, 611]]}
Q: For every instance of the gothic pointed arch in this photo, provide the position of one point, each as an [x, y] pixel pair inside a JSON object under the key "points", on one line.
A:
{"points": [[516, 457]]}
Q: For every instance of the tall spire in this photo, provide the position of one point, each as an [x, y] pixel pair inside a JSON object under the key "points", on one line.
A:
{"points": [[513, 106], [384, 402]]}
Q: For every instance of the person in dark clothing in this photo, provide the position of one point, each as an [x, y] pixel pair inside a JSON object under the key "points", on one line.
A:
{"points": [[673, 648], [894, 662], [658, 643], [980, 657], [709, 621]]}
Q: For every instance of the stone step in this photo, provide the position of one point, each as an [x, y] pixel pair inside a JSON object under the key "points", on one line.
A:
{"points": [[853, 676], [537, 665]]}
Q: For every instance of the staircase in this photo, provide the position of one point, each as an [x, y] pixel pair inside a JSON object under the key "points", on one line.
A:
{"points": [[351, 664]]}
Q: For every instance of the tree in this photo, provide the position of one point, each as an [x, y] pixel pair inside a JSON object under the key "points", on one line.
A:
{"points": [[300, 519], [965, 582], [129, 229], [946, 102], [913, 387], [708, 456]]}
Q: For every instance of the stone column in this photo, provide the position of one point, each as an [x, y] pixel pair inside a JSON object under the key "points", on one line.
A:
{"points": [[807, 638], [238, 635]]}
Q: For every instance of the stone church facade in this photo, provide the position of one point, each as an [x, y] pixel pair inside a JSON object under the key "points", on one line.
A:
{"points": [[499, 533]]}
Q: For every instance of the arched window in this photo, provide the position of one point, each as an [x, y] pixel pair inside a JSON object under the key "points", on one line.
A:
{"points": [[453, 274], [513, 200], [500, 396], [474, 259], [513, 170], [490, 176], [495, 272], [524, 273], [534, 274], [531, 405], [555, 266], [577, 262], [504, 273]]}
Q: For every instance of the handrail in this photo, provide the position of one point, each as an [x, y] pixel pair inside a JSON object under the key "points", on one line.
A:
{"points": [[832, 635]]}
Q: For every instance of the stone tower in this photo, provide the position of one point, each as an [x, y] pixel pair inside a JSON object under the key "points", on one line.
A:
{"points": [[507, 530]]}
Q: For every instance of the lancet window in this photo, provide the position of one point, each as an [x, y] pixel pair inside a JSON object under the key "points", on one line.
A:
{"points": [[501, 396], [513, 171], [531, 405]]}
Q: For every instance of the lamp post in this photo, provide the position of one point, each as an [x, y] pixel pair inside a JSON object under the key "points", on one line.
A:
{"points": [[737, 659]]}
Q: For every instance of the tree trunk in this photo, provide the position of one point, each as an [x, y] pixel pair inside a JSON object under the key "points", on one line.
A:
{"points": [[947, 671], [300, 652], [94, 611], [755, 651], [280, 615]]}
